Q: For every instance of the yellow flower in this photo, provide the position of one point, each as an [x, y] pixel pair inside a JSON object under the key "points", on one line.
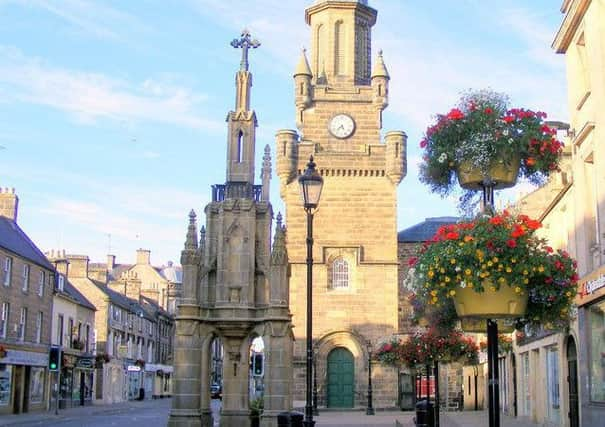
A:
{"points": [[453, 261], [468, 272], [433, 292], [431, 273], [452, 292], [513, 260], [526, 281], [434, 300], [567, 294], [442, 270], [447, 279], [493, 288], [525, 272], [495, 259], [517, 289], [509, 270], [489, 263], [541, 268], [479, 253]]}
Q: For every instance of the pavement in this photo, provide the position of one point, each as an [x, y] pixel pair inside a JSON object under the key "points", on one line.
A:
{"points": [[81, 412], [128, 414]]}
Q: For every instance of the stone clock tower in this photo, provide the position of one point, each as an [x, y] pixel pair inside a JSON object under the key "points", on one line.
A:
{"points": [[339, 101]]}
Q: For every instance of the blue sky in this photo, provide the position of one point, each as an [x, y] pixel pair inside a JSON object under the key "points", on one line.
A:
{"points": [[112, 112]]}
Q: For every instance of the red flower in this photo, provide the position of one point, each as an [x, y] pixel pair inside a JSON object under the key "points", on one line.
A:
{"points": [[508, 119], [412, 261], [511, 243], [518, 231], [497, 220], [488, 110], [455, 114], [423, 143], [548, 249], [452, 235]]}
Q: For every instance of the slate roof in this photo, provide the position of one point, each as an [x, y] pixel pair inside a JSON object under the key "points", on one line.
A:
{"points": [[73, 293], [153, 307], [122, 300], [425, 230], [14, 239]]}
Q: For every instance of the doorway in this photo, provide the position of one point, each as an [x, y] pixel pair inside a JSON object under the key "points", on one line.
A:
{"points": [[572, 380], [341, 377]]}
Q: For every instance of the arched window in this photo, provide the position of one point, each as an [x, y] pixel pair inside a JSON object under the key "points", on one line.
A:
{"points": [[240, 146], [339, 49], [363, 51], [340, 274], [319, 53]]}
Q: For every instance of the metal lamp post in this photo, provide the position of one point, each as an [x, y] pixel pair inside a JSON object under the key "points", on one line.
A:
{"points": [[311, 184], [370, 409]]}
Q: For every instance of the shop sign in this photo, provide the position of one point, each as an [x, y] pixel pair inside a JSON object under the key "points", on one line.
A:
{"points": [[122, 351], [133, 368], [85, 362], [20, 357], [590, 286]]}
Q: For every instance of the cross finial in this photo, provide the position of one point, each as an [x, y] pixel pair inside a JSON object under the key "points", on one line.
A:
{"points": [[245, 42]]}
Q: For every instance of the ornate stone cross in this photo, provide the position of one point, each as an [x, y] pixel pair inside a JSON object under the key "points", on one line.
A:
{"points": [[245, 42]]}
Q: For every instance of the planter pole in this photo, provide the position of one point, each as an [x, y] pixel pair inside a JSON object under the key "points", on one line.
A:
{"points": [[492, 364], [436, 374]]}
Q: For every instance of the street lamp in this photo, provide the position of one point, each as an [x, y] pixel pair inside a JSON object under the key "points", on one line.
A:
{"points": [[370, 408], [311, 184]]}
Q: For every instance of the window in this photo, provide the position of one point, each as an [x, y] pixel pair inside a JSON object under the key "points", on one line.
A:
{"points": [[87, 339], [4, 319], [552, 376], [525, 392], [36, 385], [319, 52], [8, 268], [61, 283], [340, 274], [6, 375], [26, 269], [363, 51], [596, 361], [339, 49], [22, 324], [60, 329], [116, 313], [110, 343], [39, 324], [240, 146], [70, 331], [41, 279]]}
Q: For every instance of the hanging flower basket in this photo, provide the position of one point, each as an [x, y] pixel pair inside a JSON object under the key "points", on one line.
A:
{"points": [[496, 267], [427, 347], [481, 137], [492, 303], [502, 172], [3, 351]]}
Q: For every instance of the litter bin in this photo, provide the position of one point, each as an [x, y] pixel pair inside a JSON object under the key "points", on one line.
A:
{"points": [[290, 419], [425, 414]]}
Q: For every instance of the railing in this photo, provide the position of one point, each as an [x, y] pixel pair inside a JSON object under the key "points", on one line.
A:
{"points": [[236, 190]]}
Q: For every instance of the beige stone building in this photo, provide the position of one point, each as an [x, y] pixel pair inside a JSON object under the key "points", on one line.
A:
{"points": [[339, 100], [581, 38], [72, 328], [26, 296]]}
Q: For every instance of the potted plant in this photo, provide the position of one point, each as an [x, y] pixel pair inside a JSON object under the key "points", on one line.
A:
{"points": [[101, 358], [496, 267], [256, 410], [2, 351], [78, 344], [483, 138], [140, 363]]}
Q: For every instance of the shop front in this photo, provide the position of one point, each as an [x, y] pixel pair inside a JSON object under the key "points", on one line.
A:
{"points": [[23, 377], [157, 380], [77, 375], [591, 349], [134, 381]]}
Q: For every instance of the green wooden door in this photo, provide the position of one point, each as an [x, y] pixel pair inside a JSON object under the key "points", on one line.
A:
{"points": [[341, 378]]}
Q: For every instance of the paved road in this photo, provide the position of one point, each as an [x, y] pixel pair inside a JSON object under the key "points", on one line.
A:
{"points": [[154, 413]]}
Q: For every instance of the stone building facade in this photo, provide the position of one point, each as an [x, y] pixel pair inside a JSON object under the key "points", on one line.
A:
{"points": [[339, 102], [26, 295], [235, 286]]}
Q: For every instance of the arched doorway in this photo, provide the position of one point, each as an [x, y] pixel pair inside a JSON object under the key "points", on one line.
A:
{"points": [[341, 378], [572, 382]]}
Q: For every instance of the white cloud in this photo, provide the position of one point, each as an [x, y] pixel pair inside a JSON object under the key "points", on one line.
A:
{"points": [[94, 18], [91, 96]]}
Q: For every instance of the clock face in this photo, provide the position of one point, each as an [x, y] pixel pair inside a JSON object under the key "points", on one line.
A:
{"points": [[341, 126]]}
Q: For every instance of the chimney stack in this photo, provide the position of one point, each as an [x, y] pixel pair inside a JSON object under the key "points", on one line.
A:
{"points": [[9, 203], [143, 256]]}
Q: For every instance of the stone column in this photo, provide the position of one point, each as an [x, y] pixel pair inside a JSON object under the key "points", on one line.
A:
{"points": [[235, 412], [278, 371], [186, 400], [205, 409]]}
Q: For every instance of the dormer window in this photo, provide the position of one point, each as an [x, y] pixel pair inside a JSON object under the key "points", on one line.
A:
{"points": [[61, 283]]}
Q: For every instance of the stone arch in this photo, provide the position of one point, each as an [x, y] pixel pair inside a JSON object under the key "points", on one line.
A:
{"points": [[354, 343]]}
